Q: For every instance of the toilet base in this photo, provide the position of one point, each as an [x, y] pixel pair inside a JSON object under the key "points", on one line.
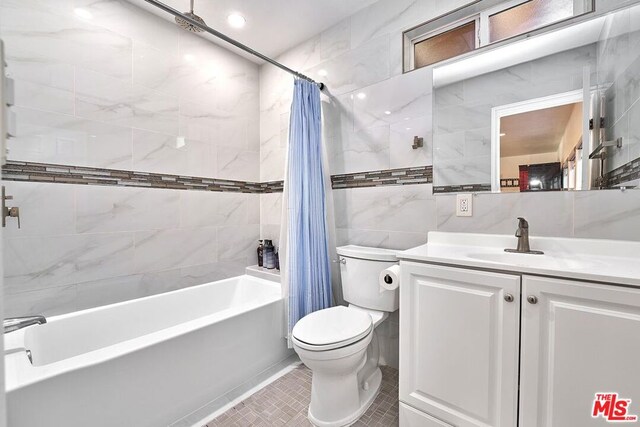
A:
{"points": [[367, 396]]}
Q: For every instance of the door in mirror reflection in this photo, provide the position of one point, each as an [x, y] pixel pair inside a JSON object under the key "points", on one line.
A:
{"points": [[537, 144]]}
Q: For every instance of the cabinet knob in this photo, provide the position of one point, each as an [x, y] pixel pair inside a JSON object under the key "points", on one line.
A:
{"points": [[508, 297], [532, 299]]}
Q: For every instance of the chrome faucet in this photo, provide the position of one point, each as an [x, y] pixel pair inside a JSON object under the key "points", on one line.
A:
{"points": [[15, 323], [522, 233]]}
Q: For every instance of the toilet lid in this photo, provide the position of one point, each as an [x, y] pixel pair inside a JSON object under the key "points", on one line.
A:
{"points": [[333, 327]]}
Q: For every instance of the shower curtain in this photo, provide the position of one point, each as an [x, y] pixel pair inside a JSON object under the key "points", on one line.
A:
{"points": [[306, 236]]}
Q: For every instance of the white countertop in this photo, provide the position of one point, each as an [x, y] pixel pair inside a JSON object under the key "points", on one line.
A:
{"points": [[608, 261]]}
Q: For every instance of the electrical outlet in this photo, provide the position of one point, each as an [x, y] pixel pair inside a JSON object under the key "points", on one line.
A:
{"points": [[464, 205]]}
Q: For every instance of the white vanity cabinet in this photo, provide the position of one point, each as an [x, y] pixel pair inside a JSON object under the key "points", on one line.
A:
{"points": [[459, 344], [578, 339], [480, 348]]}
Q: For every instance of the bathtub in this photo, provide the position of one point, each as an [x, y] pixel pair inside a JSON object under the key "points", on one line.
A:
{"points": [[145, 362]]}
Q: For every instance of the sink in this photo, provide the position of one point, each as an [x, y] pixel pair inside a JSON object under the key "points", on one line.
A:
{"points": [[526, 260]]}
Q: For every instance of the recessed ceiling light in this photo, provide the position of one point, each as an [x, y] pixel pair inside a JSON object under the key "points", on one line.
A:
{"points": [[189, 57], [361, 95], [82, 13], [322, 73], [388, 113], [236, 20]]}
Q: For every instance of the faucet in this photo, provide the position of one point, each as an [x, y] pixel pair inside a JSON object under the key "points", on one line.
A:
{"points": [[522, 233], [15, 323]]}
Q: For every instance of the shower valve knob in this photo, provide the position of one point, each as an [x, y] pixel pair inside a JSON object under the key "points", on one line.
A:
{"points": [[14, 213]]}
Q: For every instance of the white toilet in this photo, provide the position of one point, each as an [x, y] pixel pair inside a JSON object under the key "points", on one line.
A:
{"points": [[339, 344]]}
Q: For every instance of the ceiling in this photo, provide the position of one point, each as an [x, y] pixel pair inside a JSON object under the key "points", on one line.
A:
{"points": [[273, 26], [534, 132]]}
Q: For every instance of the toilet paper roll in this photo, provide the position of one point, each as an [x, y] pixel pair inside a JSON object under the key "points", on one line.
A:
{"points": [[389, 279]]}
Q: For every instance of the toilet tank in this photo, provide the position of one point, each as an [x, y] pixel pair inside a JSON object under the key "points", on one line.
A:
{"points": [[360, 268]]}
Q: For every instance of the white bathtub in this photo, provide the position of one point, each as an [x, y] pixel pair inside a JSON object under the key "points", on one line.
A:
{"points": [[145, 362]]}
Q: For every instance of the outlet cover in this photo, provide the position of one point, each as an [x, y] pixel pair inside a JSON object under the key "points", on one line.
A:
{"points": [[464, 205]]}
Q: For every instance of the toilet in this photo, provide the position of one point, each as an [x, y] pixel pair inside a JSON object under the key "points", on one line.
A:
{"points": [[339, 344]]}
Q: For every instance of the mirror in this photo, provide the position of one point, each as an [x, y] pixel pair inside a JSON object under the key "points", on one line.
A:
{"points": [[553, 111]]}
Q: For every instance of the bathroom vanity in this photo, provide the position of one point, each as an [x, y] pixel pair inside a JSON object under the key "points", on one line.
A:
{"points": [[490, 338]]}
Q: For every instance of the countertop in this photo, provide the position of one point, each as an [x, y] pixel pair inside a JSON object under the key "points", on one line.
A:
{"points": [[596, 260]]}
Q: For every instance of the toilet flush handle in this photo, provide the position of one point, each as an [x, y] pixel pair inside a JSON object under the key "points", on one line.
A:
{"points": [[340, 260]]}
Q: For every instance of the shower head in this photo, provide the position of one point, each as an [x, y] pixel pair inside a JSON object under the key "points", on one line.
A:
{"points": [[189, 26]]}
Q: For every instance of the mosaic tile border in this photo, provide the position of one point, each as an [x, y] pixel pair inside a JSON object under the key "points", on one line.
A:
{"points": [[64, 174], [83, 175], [625, 173], [402, 176], [440, 189], [272, 187]]}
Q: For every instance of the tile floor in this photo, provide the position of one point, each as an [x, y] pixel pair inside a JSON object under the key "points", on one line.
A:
{"points": [[285, 401]]}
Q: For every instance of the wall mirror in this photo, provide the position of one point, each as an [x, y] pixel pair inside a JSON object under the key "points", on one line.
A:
{"points": [[553, 111]]}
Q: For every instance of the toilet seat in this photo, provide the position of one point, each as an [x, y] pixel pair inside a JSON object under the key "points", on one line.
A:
{"points": [[332, 328]]}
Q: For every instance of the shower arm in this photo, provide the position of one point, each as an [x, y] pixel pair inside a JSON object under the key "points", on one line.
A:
{"points": [[229, 40]]}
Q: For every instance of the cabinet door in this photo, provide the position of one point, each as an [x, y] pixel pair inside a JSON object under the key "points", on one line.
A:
{"points": [[578, 339], [410, 417], [459, 344]]}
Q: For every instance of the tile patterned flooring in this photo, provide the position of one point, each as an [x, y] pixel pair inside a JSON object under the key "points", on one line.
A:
{"points": [[285, 402]]}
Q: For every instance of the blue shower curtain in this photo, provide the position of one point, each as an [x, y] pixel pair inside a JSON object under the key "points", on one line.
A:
{"points": [[308, 265]]}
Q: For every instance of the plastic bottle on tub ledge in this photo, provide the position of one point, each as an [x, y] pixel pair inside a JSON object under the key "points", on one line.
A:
{"points": [[269, 255], [260, 253]]}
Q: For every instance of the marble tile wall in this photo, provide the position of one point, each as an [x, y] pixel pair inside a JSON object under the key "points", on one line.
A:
{"points": [[619, 79], [127, 90], [123, 89], [84, 246]]}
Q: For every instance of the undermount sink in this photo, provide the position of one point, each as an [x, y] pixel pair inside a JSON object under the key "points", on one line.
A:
{"points": [[528, 259]]}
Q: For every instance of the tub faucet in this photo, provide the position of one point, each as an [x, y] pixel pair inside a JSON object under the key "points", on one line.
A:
{"points": [[522, 233], [15, 323]]}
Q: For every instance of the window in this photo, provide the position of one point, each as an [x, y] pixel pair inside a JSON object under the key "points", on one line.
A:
{"points": [[445, 45], [520, 18], [469, 28]]}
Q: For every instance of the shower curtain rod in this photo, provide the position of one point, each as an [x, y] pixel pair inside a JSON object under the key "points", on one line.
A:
{"points": [[228, 39]]}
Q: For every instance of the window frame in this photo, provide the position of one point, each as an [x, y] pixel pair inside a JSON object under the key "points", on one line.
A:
{"points": [[474, 11]]}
